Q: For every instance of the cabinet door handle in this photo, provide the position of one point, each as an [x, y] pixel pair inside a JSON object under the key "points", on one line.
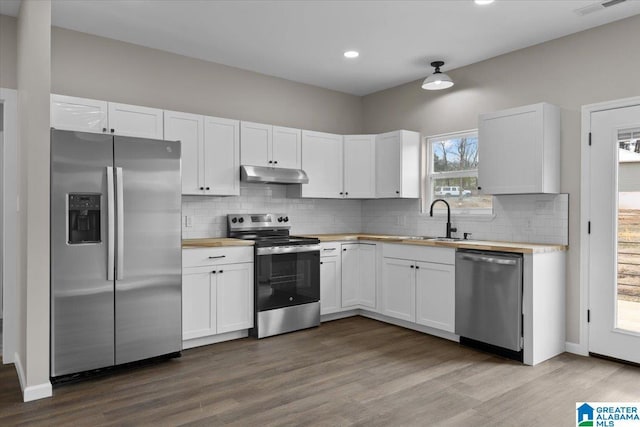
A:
{"points": [[202, 188], [113, 130], [217, 257], [275, 162], [344, 250], [329, 249], [321, 262], [411, 266], [397, 192], [479, 188], [347, 193], [104, 129], [341, 193], [270, 161], [221, 271], [417, 267], [214, 272], [208, 188]]}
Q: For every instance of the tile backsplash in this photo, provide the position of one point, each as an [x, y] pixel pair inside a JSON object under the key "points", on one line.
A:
{"points": [[209, 214], [531, 218], [537, 218]]}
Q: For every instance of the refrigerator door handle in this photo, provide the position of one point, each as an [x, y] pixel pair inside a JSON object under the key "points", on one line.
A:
{"points": [[120, 225], [111, 237]]}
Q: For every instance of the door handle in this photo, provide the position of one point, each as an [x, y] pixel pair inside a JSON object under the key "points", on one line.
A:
{"points": [[490, 260], [120, 225], [111, 238]]}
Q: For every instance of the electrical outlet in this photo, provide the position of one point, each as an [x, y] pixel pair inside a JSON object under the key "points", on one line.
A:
{"points": [[188, 221]]}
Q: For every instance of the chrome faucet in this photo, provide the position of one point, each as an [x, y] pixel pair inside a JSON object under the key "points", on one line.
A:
{"points": [[449, 228]]}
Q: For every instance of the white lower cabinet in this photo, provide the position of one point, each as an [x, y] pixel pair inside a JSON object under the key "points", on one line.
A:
{"points": [[435, 295], [216, 298], [198, 303], [399, 289], [234, 289], [417, 290], [358, 275], [330, 278]]}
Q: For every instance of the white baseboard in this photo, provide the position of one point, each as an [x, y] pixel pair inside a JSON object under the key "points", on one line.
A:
{"points": [[18, 364], [33, 392], [576, 348], [214, 339], [36, 392], [338, 315]]}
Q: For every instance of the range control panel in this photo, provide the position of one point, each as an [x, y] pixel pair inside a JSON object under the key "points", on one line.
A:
{"points": [[257, 221]]}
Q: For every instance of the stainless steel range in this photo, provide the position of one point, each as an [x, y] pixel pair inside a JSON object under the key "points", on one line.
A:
{"points": [[287, 273]]}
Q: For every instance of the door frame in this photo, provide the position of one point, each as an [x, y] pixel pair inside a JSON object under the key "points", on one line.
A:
{"points": [[583, 346], [9, 99]]}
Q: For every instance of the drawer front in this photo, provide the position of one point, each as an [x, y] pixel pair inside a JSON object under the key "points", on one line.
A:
{"points": [[330, 249], [420, 253], [196, 257]]}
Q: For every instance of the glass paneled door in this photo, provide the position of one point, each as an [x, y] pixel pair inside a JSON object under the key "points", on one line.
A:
{"points": [[614, 242]]}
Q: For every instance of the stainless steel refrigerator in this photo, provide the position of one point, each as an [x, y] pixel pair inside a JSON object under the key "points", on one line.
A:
{"points": [[116, 280]]}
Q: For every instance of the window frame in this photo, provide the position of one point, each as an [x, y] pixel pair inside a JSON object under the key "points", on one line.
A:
{"points": [[427, 177]]}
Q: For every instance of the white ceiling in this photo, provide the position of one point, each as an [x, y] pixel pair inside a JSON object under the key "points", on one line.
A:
{"points": [[304, 40]]}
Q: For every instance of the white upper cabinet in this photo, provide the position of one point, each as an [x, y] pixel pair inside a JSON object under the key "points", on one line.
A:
{"points": [[189, 130], [222, 156], [322, 161], [79, 114], [210, 152], [359, 166], [267, 145], [397, 167], [90, 115], [519, 150], [136, 121], [255, 144], [287, 147]]}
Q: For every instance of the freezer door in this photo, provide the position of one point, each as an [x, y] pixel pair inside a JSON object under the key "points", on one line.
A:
{"points": [[82, 296], [148, 248]]}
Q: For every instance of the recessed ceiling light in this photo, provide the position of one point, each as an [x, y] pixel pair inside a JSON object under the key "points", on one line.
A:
{"points": [[351, 54], [483, 2]]}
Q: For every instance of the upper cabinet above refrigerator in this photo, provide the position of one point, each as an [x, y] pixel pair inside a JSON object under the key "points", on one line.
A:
{"points": [[519, 150], [90, 115], [210, 152]]}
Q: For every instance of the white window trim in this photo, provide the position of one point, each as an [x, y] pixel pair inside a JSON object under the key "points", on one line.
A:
{"points": [[427, 175]]}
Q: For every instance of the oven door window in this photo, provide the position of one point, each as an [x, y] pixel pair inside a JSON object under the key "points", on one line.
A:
{"points": [[283, 280]]}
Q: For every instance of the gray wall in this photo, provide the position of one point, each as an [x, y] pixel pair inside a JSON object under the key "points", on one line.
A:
{"points": [[96, 67], [595, 65], [8, 52], [34, 85]]}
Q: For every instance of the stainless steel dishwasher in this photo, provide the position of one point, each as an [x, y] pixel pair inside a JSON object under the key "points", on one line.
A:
{"points": [[489, 301]]}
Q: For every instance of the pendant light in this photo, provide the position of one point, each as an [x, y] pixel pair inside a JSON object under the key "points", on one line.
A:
{"points": [[438, 80]]}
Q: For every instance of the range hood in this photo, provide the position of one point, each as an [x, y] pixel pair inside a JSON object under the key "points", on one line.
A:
{"points": [[266, 174]]}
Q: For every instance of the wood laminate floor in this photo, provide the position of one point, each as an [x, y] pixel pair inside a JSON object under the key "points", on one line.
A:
{"points": [[354, 371]]}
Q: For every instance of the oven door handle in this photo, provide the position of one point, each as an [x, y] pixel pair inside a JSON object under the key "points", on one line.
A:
{"points": [[276, 250]]}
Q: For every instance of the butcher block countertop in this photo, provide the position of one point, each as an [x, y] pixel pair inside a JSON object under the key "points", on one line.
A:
{"points": [[487, 245], [214, 243]]}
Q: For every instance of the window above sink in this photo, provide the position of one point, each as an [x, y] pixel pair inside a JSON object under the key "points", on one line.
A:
{"points": [[450, 172]]}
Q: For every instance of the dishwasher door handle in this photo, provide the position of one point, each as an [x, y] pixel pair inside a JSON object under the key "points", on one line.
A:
{"points": [[488, 259]]}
